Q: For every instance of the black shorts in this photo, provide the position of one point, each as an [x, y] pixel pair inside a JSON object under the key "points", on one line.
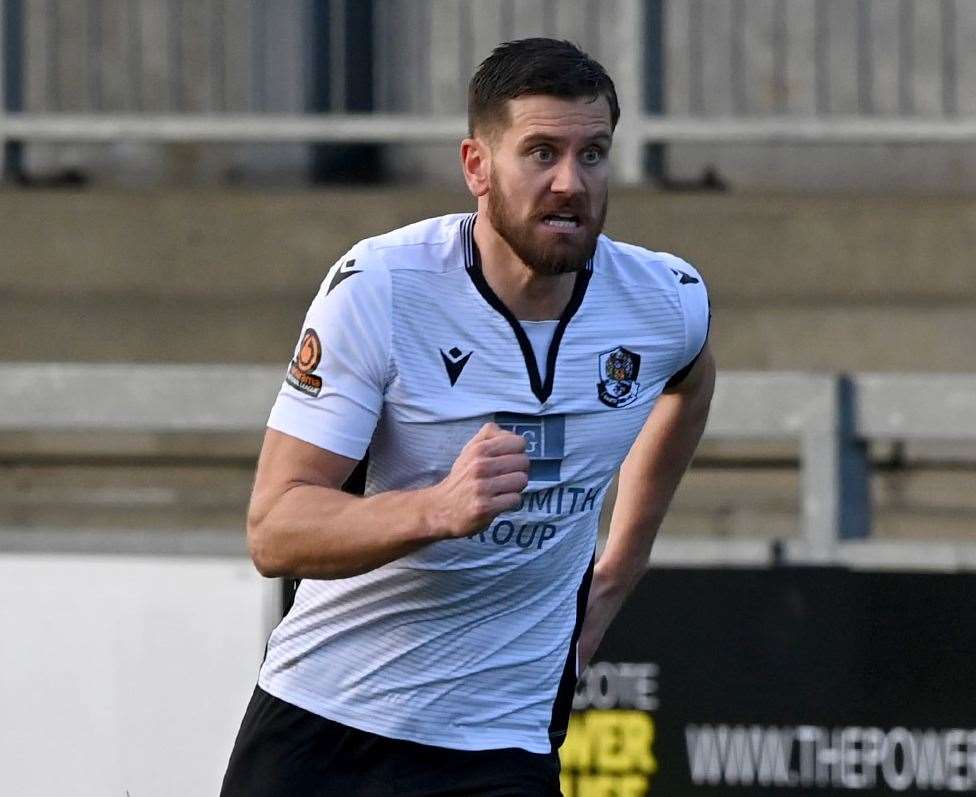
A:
{"points": [[285, 750]]}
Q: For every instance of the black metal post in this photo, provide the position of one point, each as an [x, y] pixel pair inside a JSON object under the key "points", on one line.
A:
{"points": [[13, 83], [654, 154], [352, 162]]}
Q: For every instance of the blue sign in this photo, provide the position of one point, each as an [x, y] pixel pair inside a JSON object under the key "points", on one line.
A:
{"points": [[545, 437]]}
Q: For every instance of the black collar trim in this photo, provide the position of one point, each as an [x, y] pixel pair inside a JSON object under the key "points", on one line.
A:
{"points": [[467, 239], [472, 259]]}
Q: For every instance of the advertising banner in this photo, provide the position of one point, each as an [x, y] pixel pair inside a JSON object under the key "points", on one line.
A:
{"points": [[785, 681]]}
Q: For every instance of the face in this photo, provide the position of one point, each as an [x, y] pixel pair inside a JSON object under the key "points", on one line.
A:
{"points": [[547, 194]]}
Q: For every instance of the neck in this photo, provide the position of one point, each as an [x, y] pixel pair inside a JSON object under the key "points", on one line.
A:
{"points": [[530, 296]]}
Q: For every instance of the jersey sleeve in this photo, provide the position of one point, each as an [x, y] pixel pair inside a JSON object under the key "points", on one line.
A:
{"points": [[334, 386], [697, 317]]}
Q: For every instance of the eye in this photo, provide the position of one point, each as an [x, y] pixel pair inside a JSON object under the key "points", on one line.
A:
{"points": [[592, 156], [542, 154]]}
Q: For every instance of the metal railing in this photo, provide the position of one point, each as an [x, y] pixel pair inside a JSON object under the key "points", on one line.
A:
{"points": [[863, 71], [832, 417]]}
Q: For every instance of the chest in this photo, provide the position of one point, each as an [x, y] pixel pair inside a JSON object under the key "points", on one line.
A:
{"points": [[460, 363]]}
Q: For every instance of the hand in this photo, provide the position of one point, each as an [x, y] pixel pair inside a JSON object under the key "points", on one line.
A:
{"points": [[486, 480]]}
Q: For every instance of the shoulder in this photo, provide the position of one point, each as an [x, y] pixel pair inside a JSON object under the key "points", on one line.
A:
{"points": [[430, 245], [433, 246], [640, 267]]}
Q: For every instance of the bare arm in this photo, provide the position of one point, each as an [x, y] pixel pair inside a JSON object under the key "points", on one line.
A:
{"points": [[301, 524], [648, 478]]}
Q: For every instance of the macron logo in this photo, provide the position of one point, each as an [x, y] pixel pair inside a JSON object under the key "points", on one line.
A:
{"points": [[454, 362], [685, 278], [341, 272]]}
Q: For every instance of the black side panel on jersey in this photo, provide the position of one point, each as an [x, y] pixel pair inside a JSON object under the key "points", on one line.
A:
{"points": [[679, 376], [541, 388], [563, 704]]}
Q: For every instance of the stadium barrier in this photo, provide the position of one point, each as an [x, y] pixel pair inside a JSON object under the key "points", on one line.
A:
{"points": [[752, 72], [833, 418]]}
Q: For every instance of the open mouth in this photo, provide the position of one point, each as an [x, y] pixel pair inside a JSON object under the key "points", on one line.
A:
{"points": [[562, 221]]}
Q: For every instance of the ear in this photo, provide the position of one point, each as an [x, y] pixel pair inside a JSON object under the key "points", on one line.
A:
{"points": [[476, 165]]}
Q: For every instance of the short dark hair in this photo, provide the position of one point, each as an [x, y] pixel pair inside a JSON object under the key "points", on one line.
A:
{"points": [[535, 66]]}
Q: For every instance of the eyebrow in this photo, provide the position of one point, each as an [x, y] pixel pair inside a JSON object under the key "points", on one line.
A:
{"points": [[538, 138]]}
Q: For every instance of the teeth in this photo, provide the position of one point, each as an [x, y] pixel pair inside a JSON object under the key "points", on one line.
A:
{"points": [[561, 222]]}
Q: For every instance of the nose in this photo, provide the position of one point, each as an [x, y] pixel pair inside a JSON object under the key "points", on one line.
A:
{"points": [[566, 177]]}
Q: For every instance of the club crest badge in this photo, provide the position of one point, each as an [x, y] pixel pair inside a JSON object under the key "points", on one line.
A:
{"points": [[619, 369]]}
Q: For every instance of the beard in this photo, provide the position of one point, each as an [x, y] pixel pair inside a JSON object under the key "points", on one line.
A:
{"points": [[546, 255]]}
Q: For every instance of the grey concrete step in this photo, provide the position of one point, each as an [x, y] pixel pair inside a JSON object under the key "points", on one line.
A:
{"points": [[264, 329], [225, 276], [752, 249]]}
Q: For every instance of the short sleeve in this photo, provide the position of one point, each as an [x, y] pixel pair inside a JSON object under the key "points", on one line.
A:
{"points": [[334, 386], [693, 296]]}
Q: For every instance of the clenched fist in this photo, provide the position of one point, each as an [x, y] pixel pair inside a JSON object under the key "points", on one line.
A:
{"points": [[486, 479]]}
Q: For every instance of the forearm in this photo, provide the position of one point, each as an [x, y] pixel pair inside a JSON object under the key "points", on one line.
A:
{"points": [[647, 481], [301, 524], [311, 531]]}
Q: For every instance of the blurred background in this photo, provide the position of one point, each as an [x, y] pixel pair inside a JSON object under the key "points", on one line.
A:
{"points": [[177, 178]]}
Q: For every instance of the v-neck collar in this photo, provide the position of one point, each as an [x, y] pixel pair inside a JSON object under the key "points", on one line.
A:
{"points": [[472, 262]]}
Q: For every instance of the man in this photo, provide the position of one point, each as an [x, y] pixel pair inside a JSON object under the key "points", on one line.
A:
{"points": [[500, 366]]}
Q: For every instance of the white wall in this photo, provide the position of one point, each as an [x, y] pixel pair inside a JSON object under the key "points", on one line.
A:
{"points": [[125, 675]]}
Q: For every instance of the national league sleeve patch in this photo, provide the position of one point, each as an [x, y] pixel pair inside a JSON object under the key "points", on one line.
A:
{"points": [[300, 369]]}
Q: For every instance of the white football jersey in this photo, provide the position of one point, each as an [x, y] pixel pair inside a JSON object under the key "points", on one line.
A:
{"points": [[470, 643]]}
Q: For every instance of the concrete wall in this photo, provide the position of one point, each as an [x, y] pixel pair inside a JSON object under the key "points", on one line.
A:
{"points": [[220, 276], [126, 675], [166, 56], [758, 58], [872, 58], [876, 59]]}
